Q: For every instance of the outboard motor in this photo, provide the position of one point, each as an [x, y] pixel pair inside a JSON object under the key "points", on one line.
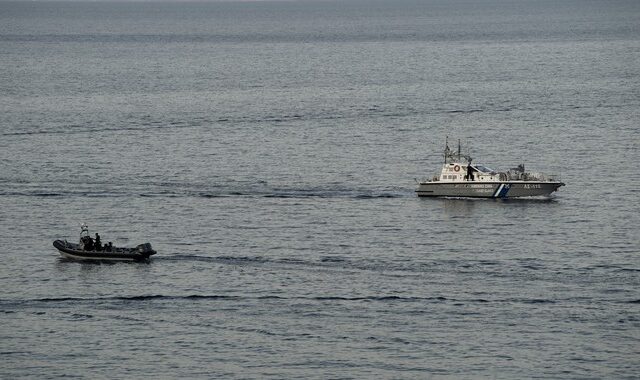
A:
{"points": [[145, 249]]}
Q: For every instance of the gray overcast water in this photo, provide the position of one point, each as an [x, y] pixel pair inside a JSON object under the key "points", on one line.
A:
{"points": [[268, 151]]}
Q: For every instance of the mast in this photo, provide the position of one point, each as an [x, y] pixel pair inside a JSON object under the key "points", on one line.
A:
{"points": [[458, 150], [446, 148]]}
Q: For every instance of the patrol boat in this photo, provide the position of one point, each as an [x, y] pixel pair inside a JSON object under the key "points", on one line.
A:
{"points": [[462, 178], [87, 249]]}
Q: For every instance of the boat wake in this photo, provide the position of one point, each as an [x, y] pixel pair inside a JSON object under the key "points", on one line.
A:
{"points": [[163, 190], [7, 303]]}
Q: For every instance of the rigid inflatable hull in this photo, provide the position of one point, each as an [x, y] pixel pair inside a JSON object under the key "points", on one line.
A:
{"points": [[73, 251]]}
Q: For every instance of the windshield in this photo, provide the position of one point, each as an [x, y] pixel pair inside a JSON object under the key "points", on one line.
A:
{"points": [[483, 169]]}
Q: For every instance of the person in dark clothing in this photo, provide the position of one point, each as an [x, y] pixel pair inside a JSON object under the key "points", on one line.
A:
{"points": [[88, 243], [469, 176], [98, 243]]}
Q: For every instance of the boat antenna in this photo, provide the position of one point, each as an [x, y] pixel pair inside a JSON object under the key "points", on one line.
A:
{"points": [[458, 149], [446, 148]]}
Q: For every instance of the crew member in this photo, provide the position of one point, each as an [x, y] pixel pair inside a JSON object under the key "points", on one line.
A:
{"points": [[470, 170], [88, 243], [97, 243]]}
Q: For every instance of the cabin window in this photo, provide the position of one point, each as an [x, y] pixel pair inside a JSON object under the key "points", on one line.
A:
{"points": [[483, 169]]}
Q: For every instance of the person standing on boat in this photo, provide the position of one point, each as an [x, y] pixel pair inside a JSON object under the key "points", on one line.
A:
{"points": [[98, 244], [470, 170]]}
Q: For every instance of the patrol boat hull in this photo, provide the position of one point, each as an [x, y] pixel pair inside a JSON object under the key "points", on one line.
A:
{"points": [[501, 189]]}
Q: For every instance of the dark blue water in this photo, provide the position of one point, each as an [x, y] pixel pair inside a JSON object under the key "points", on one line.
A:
{"points": [[268, 151]]}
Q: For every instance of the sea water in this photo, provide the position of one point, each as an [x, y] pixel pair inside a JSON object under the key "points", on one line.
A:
{"points": [[269, 150]]}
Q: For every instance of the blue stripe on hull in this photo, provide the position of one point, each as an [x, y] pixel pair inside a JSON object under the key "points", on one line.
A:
{"points": [[501, 191], [504, 191]]}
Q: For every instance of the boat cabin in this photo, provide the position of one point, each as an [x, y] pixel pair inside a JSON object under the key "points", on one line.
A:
{"points": [[461, 172], [458, 167]]}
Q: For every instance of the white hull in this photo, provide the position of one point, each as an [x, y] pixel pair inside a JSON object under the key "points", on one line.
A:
{"points": [[506, 189]]}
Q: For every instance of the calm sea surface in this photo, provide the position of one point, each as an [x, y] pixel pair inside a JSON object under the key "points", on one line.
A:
{"points": [[268, 151]]}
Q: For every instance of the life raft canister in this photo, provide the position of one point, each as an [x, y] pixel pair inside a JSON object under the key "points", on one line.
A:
{"points": [[456, 168]]}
